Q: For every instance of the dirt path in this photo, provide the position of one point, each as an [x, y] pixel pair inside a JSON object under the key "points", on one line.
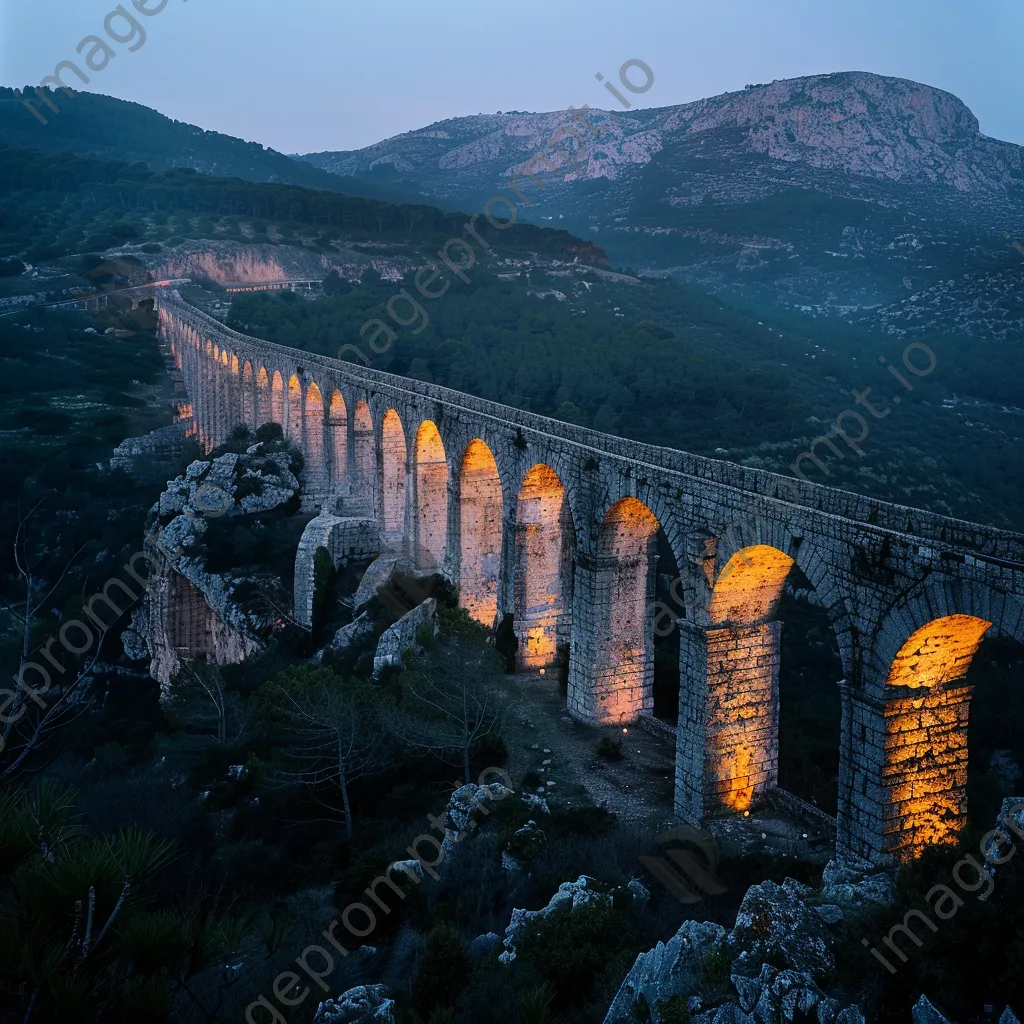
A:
{"points": [[542, 737]]}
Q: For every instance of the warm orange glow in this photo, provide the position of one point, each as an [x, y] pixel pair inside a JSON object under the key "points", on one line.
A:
{"points": [[543, 567], [277, 398], [362, 440], [431, 481], [393, 456], [925, 768], [750, 585], [338, 421], [479, 533], [234, 364], [314, 417], [625, 574], [294, 428], [263, 410]]}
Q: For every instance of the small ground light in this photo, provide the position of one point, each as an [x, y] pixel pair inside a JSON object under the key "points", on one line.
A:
{"points": [[542, 671], [746, 814], [624, 731]]}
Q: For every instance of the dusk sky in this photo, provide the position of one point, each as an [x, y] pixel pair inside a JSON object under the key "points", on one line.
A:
{"points": [[306, 75]]}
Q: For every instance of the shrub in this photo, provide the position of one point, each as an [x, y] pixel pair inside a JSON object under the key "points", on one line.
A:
{"points": [[443, 971], [609, 749]]}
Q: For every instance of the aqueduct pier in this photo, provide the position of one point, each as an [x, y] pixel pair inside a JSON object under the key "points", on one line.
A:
{"points": [[558, 526]]}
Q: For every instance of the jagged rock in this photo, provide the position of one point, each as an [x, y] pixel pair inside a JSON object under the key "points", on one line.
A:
{"points": [[1008, 1017], [527, 842], [774, 925], [924, 1012], [401, 635], [670, 969], [569, 896], [783, 995], [365, 1004], [829, 913], [852, 885], [641, 896], [535, 803], [458, 815], [377, 574], [357, 630], [482, 947]]}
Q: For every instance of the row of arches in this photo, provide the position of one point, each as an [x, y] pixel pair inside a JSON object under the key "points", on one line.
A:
{"points": [[905, 759]]}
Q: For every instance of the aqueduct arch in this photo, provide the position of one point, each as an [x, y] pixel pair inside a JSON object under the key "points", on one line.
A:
{"points": [[338, 433], [363, 451], [277, 399], [743, 676], [430, 497], [393, 455], [480, 532], [544, 542], [313, 431], [293, 414]]}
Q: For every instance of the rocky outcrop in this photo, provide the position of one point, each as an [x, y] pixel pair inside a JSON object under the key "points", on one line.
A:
{"points": [[365, 1004], [151, 456], [770, 967], [189, 612], [401, 636], [570, 895]]}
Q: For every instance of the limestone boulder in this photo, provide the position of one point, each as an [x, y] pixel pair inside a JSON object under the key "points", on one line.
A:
{"points": [[925, 1012], [775, 925], [670, 969], [854, 885], [365, 1004], [401, 636]]}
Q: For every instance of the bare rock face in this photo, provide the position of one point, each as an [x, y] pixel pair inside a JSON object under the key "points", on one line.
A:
{"points": [[401, 635], [768, 969], [189, 612], [365, 1004]]}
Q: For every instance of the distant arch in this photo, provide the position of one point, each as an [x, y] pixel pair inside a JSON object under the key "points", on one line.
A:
{"points": [[362, 438], [294, 410], [924, 770], [393, 455], [263, 411], [313, 415], [543, 568], [480, 532], [338, 428], [248, 396], [430, 480], [743, 692], [234, 363], [277, 399]]}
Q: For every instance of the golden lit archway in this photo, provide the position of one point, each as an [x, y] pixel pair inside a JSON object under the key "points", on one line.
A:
{"points": [[393, 454], [431, 497], [924, 773], [248, 396], [263, 410], [294, 405], [743, 676], [543, 559], [480, 508], [626, 559], [277, 398], [314, 423], [338, 425], [362, 443]]}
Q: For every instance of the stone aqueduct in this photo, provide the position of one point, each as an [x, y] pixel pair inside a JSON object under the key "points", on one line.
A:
{"points": [[558, 526]]}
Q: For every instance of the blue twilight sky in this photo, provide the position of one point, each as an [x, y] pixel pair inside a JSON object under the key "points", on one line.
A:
{"points": [[302, 75]]}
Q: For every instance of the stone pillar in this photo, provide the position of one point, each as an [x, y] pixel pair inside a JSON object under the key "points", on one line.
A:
{"points": [[859, 818], [743, 713], [692, 727]]}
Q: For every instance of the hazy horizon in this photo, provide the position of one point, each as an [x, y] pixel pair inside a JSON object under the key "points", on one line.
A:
{"points": [[323, 78]]}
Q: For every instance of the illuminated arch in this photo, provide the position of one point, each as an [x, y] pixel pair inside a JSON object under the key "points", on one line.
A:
{"points": [[924, 773], [234, 363], [277, 399], [248, 394], [338, 427], [543, 574], [626, 559], [263, 411], [362, 443], [294, 407], [480, 509], [314, 433], [393, 454], [430, 479], [743, 691]]}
